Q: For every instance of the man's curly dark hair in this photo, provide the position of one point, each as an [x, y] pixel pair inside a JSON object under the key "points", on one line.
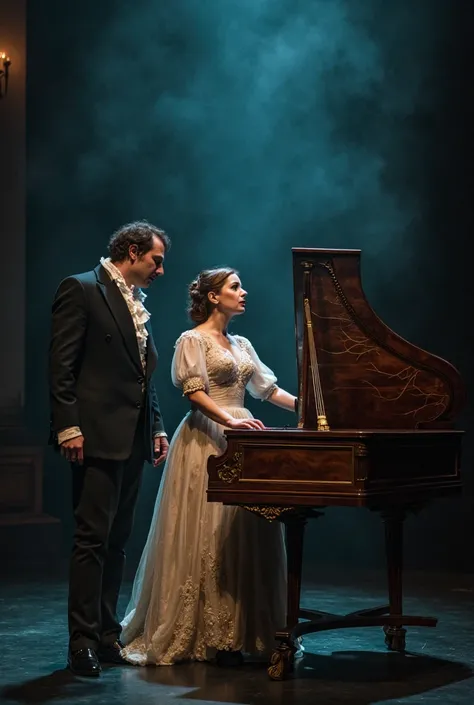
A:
{"points": [[139, 233]]}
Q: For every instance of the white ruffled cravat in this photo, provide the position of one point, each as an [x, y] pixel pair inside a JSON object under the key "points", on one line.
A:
{"points": [[134, 298]]}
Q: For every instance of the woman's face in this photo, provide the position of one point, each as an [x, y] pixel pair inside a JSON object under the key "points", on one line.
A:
{"points": [[231, 298]]}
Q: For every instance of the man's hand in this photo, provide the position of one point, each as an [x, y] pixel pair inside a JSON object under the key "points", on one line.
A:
{"points": [[73, 450], [161, 445]]}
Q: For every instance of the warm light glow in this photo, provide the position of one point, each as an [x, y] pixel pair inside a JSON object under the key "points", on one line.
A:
{"points": [[4, 70]]}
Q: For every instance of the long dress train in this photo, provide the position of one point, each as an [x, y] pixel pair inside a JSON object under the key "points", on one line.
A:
{"points": [[211, 577]]}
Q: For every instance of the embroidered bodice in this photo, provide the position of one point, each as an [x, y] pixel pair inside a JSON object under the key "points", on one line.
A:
{"points": [[200, 363]]}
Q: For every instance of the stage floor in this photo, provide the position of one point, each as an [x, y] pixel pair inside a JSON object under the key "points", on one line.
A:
{"points": [[346, 666]]}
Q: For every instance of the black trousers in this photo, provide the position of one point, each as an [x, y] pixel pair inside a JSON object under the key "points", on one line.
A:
{"points": [[104, 497]]}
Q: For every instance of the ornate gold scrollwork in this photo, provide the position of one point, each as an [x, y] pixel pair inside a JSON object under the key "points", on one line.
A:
{"points": [[231, 470], [269, 513], [281, 662]]}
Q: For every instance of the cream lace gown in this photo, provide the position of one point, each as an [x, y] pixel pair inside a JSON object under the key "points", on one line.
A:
{"points": [[211, 577]]}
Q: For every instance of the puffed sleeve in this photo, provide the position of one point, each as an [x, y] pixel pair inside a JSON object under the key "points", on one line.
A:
{"points": [[188, 369], [262, 383]]}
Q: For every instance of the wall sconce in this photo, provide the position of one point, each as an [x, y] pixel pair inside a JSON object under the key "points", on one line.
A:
{"points": [[4, 67]]}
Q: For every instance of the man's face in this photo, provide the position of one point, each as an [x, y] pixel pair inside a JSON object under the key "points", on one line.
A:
{"points": [[145, 268]]}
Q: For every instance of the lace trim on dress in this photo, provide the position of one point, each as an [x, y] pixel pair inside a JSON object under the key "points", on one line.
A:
{"points": [[268, 392], [185, 629], [244, 343], [193, 334], [193, 384], [219, 626]]}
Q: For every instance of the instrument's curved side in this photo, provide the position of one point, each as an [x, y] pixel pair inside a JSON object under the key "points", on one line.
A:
{"points": [[371, 376]]}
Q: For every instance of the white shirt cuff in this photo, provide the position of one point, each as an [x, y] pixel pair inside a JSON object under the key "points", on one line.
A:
{"points": [[68, 433]]}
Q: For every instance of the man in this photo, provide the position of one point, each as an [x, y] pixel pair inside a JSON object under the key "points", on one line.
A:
{"points": [[106, 421]]}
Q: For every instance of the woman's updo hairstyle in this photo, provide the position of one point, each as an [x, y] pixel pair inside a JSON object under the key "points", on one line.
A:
{"points": [[200, 308]]}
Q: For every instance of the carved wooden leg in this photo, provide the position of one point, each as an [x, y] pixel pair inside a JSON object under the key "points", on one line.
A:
{"points": [[295, 527], [283, 657], [393, 519]]}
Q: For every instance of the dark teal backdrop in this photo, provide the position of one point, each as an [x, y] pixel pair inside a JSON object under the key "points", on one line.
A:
{"points": [[246, 127]]}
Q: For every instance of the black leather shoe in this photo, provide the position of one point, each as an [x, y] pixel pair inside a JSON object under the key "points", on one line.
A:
{"points": [[110, 653], [84, 662], [229, 659]]}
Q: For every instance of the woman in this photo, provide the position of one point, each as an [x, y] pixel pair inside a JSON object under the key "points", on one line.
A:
{"points": [[212, 579]]}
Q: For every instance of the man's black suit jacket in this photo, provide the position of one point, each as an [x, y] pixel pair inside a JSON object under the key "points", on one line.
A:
{"points": [[96, 377]]}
